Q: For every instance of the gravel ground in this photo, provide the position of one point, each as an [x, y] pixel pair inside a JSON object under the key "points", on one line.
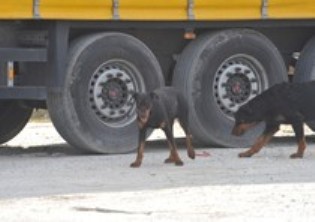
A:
{"points": [[44, 179]]}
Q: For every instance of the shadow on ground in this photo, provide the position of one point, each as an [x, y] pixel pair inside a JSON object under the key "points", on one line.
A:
{"points": [[151, 146]]}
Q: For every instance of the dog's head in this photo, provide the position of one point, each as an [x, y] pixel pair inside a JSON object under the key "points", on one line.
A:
{"points": [[245, 118], [144, 104]]}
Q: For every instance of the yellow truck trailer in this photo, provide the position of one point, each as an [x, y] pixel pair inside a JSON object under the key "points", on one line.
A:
{"points": [[80, 59]]}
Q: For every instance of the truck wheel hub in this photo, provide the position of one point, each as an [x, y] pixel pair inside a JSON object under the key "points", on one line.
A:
{"points": [[238, 88], [114, 93], [237, 80], [109, 92]]}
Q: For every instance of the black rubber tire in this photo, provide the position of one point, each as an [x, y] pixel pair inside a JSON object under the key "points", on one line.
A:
{"points": [[194, 76], [13, 118], [305, 68], [13, 115], [69, 109]]}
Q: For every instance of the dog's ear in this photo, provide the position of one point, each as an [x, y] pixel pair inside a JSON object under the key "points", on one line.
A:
{"points": [[131, 92], [134, 95], [153, 96]]}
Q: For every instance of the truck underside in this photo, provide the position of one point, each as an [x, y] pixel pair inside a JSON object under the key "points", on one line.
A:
{"points": [[82, 72]]}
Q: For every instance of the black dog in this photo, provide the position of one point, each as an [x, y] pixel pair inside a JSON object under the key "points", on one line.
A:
{"points": [[284, 103], [159, 109]]}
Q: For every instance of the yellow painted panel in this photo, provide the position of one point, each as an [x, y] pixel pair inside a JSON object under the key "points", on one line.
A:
{"points": [[227, 10], [291, 9], [76, 9], [153, 10], [157, 9], [20, 9]]}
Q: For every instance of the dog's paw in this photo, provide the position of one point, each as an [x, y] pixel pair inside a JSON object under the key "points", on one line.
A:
{"points": [[135, 165], [179, 163], [296, 155], [192, 155], [169, 160], [244, 154]]}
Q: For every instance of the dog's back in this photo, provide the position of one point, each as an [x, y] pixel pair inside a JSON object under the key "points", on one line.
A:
{"points": [[174, 103], [286, 98]]}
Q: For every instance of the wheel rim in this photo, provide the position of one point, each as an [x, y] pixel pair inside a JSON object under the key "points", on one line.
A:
{"points": [[109, 92], [237, 80]]}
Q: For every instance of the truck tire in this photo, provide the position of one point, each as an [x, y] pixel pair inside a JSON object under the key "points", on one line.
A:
{"points": [[305, 68], [13, 115], [218, 72], [95, 110], [13, 118]]}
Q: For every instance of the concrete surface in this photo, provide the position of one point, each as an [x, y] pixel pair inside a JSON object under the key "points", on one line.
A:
{"points": [[44, 179]]}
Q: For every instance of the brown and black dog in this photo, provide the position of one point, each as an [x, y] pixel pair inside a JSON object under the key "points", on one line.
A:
{"points": [[284, 103], [159, 109]]}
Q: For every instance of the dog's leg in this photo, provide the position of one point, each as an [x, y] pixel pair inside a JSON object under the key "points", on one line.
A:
{"points": [[268, 133], [299, 135], [138, 161], [183, 116], [190, 148], [171, 158], [174, 157], [301, 149]]}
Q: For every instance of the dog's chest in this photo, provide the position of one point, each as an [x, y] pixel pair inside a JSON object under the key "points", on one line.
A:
{"points": [[159, 115], [156, 119]]}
